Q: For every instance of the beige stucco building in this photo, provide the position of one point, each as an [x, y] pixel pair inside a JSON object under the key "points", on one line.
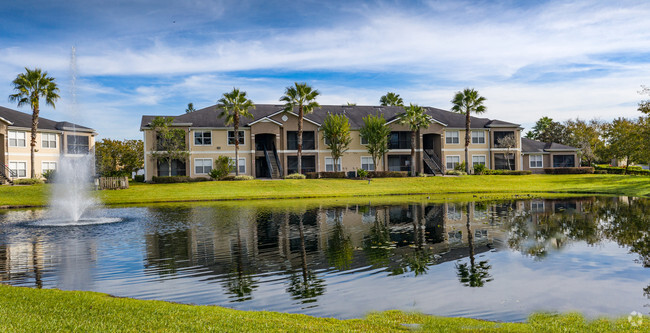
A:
{"points": [[268, 142], [53, 140]]}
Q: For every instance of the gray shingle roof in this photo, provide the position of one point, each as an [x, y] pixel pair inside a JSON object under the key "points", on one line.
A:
{"points": [[208, 117], [533, 146], [22, 119]]}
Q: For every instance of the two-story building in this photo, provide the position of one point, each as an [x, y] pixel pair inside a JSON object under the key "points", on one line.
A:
{"points": [[53, 140], [268, 142]]}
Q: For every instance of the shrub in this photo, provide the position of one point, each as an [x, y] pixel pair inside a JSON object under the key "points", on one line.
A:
{"points": [[569, 171], [600, 172], [460, 166], [27, 181], [387, 174], [362, 173], [632, 170], [172, 179], [335, 174], [456, 173], [297, 176], [243, 177], [479, 169], [309, 175], [222, 167], [139, 178], [49, 176], [422, 174], [118, 173], [507, 172]]}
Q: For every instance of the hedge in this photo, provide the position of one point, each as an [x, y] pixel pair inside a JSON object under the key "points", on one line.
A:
{"points": [[337, 174], [632, 170], [507, 172], [387, 174], [569, 171], [176, 179]]}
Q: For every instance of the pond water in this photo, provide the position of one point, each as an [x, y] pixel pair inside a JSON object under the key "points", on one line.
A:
{"points": [[497, 260]]}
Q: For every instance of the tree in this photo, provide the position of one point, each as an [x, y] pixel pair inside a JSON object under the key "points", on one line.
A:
{"points": [[376, 133], [509, 143], [118, 157], [415, 118], [624, 140], [547, 130], [644, 106], [540, 126], [190, 108], [235, 105], [336, 131], [304, 97], [586, 135], [391, 99], [467, 102], [170, 142], [30, 87]]}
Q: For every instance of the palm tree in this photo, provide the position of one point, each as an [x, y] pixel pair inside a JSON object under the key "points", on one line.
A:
{"points": [[467, 102], [391, 99], [236, 105], [30, 87], [304, 97], [415, 118]]}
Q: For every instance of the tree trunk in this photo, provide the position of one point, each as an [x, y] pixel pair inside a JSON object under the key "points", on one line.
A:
{"points": [[467, 136], [470, 239], [32, 144], [169, 167], [413, 153], [300, 115], [236, 122]]}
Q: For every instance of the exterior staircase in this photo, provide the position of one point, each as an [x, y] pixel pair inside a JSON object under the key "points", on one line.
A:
{"points": [[432, 161], [6, 175], [273, 162]]}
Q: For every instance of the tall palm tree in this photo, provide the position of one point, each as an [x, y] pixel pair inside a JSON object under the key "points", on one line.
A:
{"points": [[304, 97], [391, 99], [235, 105], [467, 102], [415, 118], [30, 87]]}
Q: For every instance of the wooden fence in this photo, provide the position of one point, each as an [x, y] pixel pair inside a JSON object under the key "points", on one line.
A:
{"points": [[112, 183]]}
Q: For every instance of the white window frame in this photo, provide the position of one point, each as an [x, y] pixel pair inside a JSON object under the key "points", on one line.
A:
{"points": [[447, 161], [540, 162], [202, 166], [329, 162], [453, 213], [48, 163], [480, 137], [15, 138], [484, 160], [363, 141], [15, 169], [450, 136], [242, 165], [45, 137], [537, 206], [370, 163], [242, 137], [202, 138]]}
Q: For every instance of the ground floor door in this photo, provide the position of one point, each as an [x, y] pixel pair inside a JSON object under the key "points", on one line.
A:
{"points": [[399, 162]]}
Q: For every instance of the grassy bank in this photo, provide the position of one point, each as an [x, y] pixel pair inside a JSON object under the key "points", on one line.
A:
{"points": [[332, 188], [33, 310]]}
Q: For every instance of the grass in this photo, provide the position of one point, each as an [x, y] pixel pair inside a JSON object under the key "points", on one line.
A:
{"points": [[34, 310], [37, 195]]}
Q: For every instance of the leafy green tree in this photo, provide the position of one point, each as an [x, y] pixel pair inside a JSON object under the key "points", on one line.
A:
{"points": [[540, 126], [547, 130], [107, 156], [170, 142], [30, 87], [415, 118], [391, 99], [336, 131], [235, 105], [222, 167], [644, 106], [509, 142], [586, 135], [303, 97], [376, 134], [339, 248], [467, 102], [624, 140], [190, 108], [132, 158]]}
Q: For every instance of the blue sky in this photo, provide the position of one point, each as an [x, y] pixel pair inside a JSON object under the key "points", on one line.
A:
{"points": [[562, 59]]}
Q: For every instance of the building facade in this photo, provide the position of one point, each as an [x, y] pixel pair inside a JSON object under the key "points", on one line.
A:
{"points": [[268, 142], [54, 139]]}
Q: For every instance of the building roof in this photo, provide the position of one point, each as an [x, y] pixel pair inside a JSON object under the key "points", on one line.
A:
{"points": [[208, 117], [21, 119], [534, 146]]}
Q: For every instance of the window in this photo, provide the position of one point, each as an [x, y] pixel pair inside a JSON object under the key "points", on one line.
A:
{"points": [[453, 212], [536, 161], [329, 164], [367, 163], [537, 206], [177, 168], [231, 138], [500, 135], [452, 162], [308, 164], [307, 140], [564, 161], [77, 144], [202, 166], [204, 138], [334, 215], [364, 141], [16, 139], [503, 162], [242, 165], [48, 140], [19, 169], [48, 166], [478, 159], [455, 237], [480, 234], [399, 163], [478, 137], [399, 140], [452, 137]]}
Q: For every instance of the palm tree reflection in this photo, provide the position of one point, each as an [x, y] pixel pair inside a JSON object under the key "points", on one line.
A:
{"points": [[308, 286], [239, 282], [473, 275]]}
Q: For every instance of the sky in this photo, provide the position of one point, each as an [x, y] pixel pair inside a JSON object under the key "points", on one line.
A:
{"points": [[561, 59]]}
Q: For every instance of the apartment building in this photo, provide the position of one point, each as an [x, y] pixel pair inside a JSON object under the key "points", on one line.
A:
{"points": [[53, 140], [268, 143]]}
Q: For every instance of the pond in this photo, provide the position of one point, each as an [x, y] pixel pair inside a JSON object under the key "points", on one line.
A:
{"points": [[493, 260]]}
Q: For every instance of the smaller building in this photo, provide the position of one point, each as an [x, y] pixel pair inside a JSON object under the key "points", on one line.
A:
{"points": [[537, 155], [54, 139]]}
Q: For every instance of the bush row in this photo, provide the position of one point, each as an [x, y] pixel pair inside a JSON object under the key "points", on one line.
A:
{"points": [[632, 170], [175, 179], [507, 172], [569, 171]]}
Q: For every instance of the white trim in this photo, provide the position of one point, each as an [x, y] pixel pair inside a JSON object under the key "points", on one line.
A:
{"points": [[530, 161], [16, 138], [451, 137], [56, 166], [16, 170], [264, 120], [477, 155], [233, 132], [562, 150], [232, 158], [56, 144], [448, 156], [504, 149], [35, 154], [202, 158], [471, 134], [6, 121], [292, 113], [374, 167], [193, 137], [146, 160], [433, 120], [487, 150], [338, 162]]}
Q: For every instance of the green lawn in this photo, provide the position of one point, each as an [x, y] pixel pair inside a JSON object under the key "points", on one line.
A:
{"points": [[34, 310], [332, 188]]}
